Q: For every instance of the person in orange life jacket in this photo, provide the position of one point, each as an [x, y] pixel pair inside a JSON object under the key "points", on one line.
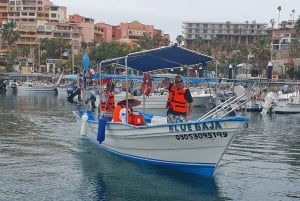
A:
{"points": [[180, 101], [120, 110], [107, 103]]}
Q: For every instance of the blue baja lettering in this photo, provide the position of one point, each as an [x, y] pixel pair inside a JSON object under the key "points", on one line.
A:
{"points": [[176, 129], [197, 127], [189, 127], [218, 125], [205, 127], [171, 130], [183, 127], [212, 125]]}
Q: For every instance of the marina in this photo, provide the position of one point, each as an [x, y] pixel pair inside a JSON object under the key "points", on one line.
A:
{"points": [[43, 158]]}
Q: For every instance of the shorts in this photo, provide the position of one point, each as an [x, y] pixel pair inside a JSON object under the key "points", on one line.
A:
{"points": [[172, 118]]}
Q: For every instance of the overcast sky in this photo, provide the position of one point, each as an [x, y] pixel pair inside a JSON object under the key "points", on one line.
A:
{"points": [[168, 15]]}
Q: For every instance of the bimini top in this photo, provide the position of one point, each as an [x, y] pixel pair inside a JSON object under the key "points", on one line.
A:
{"points": [[160, 58]]}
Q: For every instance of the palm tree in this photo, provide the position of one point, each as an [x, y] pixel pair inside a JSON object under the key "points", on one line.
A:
{"points": [[9, 33], [262, 52], [272, 22], [179, 39], [197, 43], [279, 9]]}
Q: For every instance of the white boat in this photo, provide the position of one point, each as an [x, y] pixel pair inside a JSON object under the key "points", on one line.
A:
{"points": [[196, 146], [38, 88], [254, 105], [280, 103]]}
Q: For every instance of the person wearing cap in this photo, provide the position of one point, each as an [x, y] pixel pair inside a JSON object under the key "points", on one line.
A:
{"points": [[120, 110], [180, 101]]}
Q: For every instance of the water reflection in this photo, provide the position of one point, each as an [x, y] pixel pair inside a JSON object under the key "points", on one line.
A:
{"points": [[119, 179]]}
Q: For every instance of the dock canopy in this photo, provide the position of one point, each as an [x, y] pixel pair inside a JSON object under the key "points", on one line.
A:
{"points": [[160, 58]]}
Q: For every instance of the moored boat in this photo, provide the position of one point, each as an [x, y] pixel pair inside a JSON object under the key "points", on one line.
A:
{"points": [[196, 146]]}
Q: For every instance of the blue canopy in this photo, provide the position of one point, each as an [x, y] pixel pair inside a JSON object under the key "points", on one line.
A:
{"points": [[160, 58]]}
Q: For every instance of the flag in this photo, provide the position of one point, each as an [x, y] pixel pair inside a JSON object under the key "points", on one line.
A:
{"points": [[66, 53]]}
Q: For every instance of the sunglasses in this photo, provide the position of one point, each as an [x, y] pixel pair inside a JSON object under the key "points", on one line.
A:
{"points": [[179, 81]]}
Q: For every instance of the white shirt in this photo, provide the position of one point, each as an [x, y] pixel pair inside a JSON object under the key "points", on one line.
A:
{"points": [[122, 115]]}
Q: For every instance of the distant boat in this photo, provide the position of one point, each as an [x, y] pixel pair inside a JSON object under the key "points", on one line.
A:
{"points": [[280, 103], [38, 88]]}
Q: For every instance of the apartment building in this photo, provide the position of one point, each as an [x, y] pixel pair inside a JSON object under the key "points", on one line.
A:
{"points": [[243, 33], [37, 19], [128, 33], [282, 39]]}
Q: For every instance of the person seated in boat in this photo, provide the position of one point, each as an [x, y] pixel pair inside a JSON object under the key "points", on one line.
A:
{"points": [[107, 101], [180, 101], [121, 109]]}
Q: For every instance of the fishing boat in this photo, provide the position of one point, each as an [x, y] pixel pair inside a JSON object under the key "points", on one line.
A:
{"points": [[196, 146]]}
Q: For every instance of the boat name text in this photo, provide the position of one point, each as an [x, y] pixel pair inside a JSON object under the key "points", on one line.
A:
{"points": [[195, 127]]}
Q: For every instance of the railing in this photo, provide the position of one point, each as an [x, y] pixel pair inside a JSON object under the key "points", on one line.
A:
{"points": [[225, 108]]}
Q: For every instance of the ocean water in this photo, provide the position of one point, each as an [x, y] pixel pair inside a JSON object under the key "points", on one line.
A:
{"points": [[43, 157]]}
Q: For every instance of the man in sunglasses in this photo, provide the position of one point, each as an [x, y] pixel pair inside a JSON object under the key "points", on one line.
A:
{"points": [[180, 101]]}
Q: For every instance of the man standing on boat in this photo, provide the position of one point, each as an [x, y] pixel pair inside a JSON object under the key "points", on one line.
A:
{"points": [[180, 101]]}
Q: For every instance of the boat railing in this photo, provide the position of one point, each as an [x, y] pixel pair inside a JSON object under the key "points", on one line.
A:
{"points": [[225, 108]]}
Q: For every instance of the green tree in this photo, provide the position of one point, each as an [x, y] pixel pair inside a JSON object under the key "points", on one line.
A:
{"points": [[262, 52], [107, 50], [197, 43], [25, 51], [179, 39], [145, 42], [9, 33], [297, 25]]}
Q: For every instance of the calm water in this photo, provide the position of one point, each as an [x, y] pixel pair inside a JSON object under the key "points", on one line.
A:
{"points": [[43, 157]]}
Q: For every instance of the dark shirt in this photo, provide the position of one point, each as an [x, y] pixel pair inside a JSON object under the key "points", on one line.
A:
{"points": [[188, 97]]}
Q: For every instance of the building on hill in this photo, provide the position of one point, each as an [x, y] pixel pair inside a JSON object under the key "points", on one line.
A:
{"points": [[243, 33]]}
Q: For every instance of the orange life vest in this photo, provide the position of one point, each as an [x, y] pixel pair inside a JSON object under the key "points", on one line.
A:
{"points": [[107, 101], [116, 115], [176, 100]]}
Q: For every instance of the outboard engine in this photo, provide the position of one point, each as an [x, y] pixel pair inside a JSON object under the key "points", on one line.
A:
{"points": [[92, 99], [3, 87], [72, 92], [14, 87]]}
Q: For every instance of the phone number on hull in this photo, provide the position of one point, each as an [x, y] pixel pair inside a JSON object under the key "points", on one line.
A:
{"points": [[206, 135]]}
